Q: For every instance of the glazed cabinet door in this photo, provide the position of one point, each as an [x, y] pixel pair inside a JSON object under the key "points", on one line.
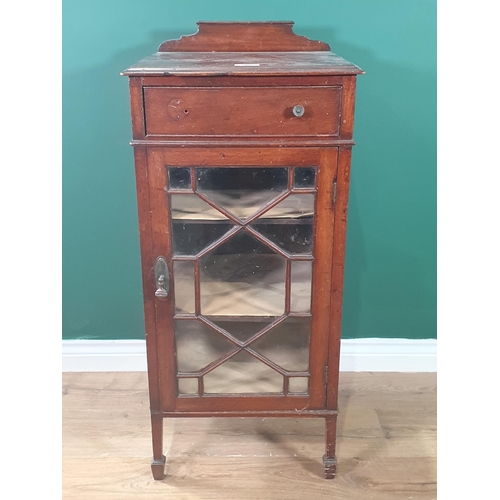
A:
{"points": [[239, 259]]}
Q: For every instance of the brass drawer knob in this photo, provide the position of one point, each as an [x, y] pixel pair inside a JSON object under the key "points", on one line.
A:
{"points": [[298, 110]]}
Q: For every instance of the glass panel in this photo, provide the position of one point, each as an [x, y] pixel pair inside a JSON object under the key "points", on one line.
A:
{"points": [[293, 237], [242, 277], [287, 344], [289, 224], [188, 385], [298, 384], [179, 178], [304, 177], [191, 237], [191, 232], [295, 206], [192, 207], [243, 374], [301, 278], [242, 330], [198, 345], [242, 191], [242, 281], [184, 286]]}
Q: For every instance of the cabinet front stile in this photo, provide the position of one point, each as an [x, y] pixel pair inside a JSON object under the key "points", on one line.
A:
{"points": [[163, 306]]}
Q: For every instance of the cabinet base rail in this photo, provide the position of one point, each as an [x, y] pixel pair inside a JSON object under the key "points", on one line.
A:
{"points": [[248, 413]]}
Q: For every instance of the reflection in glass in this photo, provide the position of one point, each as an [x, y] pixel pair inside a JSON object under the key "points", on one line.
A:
{"points": [[184, 286], [188, 385], [242, 191], [198, 345], [294, 206], [243, 374], [190, 238], [190, 232], [242, 281], [298, 384], [242, 330], [179, 178], [191, 207], [289, 224], [287, 344], [242, 277], [304, 177], [294, 238], [301, 277]]}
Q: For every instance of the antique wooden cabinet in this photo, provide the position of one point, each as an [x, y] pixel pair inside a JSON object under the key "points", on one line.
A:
{"points": [[242, 137]]}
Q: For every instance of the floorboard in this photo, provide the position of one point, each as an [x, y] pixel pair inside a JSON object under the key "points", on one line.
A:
{"points": [[386, 445]]}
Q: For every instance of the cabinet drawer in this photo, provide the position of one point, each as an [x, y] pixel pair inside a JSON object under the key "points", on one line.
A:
{"points": [[264, 111]]}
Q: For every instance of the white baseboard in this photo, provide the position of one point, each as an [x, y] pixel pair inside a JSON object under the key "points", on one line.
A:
{"points": [[388, 355], [357, 355]]}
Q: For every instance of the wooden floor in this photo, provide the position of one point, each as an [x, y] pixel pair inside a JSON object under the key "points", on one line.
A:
{"points": [[386, 445]]}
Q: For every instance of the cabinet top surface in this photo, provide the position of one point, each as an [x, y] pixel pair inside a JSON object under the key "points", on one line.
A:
{"points": [[232, 48]]}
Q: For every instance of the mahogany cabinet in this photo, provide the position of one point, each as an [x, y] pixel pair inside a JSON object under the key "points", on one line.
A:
{"points": [[242, 136]]}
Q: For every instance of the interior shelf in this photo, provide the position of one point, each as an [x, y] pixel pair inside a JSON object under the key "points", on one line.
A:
{"points": [[240, 294], [191, 207]]}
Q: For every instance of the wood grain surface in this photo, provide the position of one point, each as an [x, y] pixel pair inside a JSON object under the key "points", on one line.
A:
{"points": [[386, 446], [233, 36], [241, 111]]}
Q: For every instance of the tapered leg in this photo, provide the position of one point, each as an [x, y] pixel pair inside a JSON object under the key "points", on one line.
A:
{"points": [[158, 462], [329, 458]]}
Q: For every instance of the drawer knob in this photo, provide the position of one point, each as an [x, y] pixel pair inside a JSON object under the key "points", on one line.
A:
{"points": [[298, 110]]}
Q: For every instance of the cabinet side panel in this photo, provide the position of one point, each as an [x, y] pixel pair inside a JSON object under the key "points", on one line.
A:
{"points": [[323, 244], [339, 238], [137, 107], [347, 107], [142, 186]]}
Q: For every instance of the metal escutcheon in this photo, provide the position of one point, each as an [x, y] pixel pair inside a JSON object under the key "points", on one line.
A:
{"points": [[298, 110], [162, 277]]}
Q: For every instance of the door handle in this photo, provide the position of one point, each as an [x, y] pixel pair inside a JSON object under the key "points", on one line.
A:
{"points": [[162, 277]]}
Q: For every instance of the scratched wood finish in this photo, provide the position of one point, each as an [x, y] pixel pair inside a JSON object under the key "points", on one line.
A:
{"points": [[224, 97], [242, 64], [243, 49], [386, 445]]}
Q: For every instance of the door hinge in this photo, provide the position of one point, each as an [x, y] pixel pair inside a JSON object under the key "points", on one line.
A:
{"points": [[326, 373], [334, 192]]}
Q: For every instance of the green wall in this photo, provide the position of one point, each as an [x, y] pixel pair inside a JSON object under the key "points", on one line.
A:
{"points": [[390, 287]]}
